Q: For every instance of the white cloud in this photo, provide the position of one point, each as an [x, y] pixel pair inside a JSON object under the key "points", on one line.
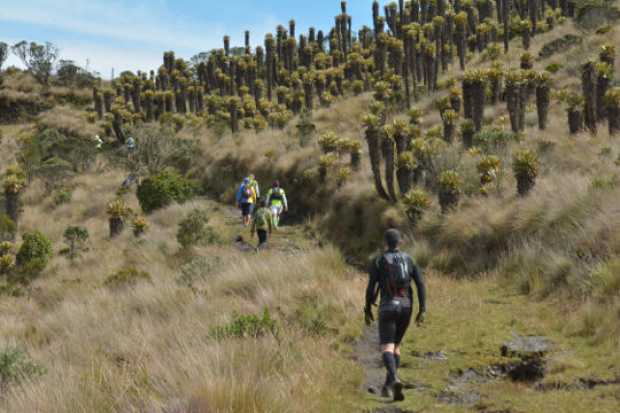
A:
{"points": [[124, 35]]}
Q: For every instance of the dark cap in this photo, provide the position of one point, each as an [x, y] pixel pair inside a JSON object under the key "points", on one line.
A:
{"points": [[392, 238]]}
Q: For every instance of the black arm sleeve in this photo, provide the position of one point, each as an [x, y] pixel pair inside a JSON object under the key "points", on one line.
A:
{"points": [[418, 279], [373, 284]]}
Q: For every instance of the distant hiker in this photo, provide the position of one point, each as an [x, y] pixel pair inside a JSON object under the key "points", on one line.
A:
{"points": [[254, 185], [391, 274], [98, 142], [131, 145], [262, 224], [276, 202], [246, 198]]}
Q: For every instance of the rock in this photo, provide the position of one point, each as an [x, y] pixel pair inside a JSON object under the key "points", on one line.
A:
{"points": [[525, 347], [531, 351]]}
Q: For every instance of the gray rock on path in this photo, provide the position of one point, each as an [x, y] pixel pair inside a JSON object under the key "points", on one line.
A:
{"points": [[526, 347]]}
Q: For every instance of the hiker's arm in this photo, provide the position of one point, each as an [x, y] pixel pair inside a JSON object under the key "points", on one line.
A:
{"points": [[418, 279], [373, 284]]}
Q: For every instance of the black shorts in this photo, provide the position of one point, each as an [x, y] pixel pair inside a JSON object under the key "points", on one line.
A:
{"points": [[262, 236], [393, 323], [246, 209]]}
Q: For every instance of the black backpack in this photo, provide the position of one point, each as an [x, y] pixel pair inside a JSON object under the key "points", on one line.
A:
{"points": [[395, 269]]}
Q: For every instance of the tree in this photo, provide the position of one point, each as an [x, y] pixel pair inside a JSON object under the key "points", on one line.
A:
{"points": [[38, 58], [4, 53], [75, 238]]}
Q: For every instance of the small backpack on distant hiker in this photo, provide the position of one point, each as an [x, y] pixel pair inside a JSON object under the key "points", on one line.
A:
{"points": [[396, 270]]}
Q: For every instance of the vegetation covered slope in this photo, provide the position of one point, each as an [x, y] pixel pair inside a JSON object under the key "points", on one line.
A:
{"points": [[170, 315]]}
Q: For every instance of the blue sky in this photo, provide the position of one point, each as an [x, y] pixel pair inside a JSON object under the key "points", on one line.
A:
{"points": [[132, 34]]}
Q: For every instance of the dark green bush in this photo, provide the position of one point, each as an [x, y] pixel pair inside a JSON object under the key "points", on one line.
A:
{"points": [[63, 196], [34, 254], [15, 366], [164, 188], [194, 230]]}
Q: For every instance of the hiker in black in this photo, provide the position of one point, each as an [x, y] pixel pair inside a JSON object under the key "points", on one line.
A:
{"points": [[390, 276]]}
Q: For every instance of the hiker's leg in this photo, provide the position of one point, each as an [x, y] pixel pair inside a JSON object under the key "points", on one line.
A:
{"points": [[262, 237], [387, 338], [402, 324], [389, 361]]}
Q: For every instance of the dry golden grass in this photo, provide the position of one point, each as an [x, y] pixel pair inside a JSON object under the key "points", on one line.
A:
{"points": [[150, 345], [69, 122]]}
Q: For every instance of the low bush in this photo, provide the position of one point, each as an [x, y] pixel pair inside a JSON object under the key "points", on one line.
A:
{"points": [[34, 254], [126, 277], [194, 230], [16, 366], [75, 238], [7, 228], [164, 188], [247, 326]]}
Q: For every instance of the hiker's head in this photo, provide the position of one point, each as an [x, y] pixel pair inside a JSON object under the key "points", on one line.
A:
{"points": [[276, 184], [246, 180], [392, 238], [251, 177]]}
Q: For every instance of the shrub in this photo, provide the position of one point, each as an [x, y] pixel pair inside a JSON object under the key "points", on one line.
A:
{"points": [[416, 202], [194, 230], [126, 277], [75, 238], [15, 366], [63, 196], [525, 168], [196, 269], [247, 326], [34, 253], [164, 188]]}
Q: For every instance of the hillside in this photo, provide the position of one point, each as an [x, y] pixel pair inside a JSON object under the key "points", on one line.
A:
{"points": [[165, 306]]}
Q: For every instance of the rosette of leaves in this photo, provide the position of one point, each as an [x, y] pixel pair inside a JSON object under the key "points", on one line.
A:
{"points": [[118, 212], [6, 248], [416, 203], [467, 133], [326, 162], [612, 101], [574, 110], [527, 61], [329, 142], [449, 119], [607, 54], [604, 76], [450, 189], [455, 99], [415, 116], [474, 82], [13, 184], [488, 168], [525, 167], [543, 98], [139, 226], [495, 75]]}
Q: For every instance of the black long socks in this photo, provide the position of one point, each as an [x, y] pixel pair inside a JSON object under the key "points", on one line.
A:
{"points": [[389, 361]]}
